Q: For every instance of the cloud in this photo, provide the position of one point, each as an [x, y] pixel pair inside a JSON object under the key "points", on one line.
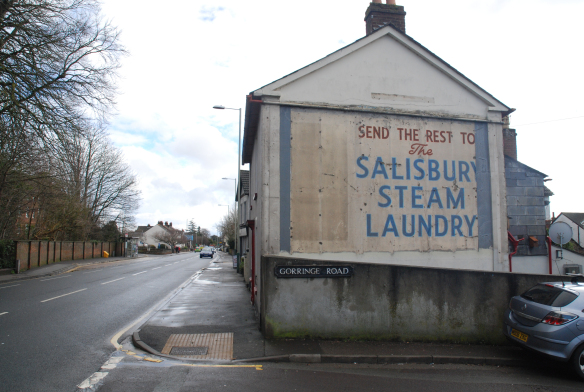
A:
{"points": [[188, 56], [208, 14]]}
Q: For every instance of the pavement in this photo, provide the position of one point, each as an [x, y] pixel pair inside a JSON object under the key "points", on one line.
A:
{"points": [[62, 267], [214, 307], [213, 311]]}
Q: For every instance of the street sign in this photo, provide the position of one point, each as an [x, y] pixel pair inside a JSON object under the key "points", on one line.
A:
{"points": [[313, 271]]}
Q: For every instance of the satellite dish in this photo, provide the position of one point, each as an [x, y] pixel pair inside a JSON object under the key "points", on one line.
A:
{"points": [[560, 233]]}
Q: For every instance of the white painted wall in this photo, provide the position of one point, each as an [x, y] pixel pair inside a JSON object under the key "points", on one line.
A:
{"points": [[149, 236], [540, 264], [577, 232]]}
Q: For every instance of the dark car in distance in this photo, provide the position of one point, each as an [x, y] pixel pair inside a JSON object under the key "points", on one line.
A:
{"points": [[206, 252], [549, 318]]}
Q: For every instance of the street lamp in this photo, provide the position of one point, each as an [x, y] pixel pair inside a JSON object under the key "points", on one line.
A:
{"points": [[221, 107]]}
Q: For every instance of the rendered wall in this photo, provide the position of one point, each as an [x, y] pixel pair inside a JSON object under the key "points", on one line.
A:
{"points": [[390, 302], [365, 183], [541, 264]]}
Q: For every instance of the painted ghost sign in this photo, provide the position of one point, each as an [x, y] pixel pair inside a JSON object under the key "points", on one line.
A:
{"points": [[382, 183]]}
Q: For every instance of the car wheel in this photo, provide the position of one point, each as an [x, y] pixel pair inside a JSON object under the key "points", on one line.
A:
{"points": [[578, 361], [200, 257]]}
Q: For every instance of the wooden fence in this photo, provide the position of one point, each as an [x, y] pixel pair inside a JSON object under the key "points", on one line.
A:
{"points": [[36, 253]]}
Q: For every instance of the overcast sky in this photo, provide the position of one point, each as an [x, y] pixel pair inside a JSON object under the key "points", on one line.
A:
{"points": [[188, 55]]}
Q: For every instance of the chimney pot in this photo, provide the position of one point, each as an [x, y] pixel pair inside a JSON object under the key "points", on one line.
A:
{"points": [[170, 224]]}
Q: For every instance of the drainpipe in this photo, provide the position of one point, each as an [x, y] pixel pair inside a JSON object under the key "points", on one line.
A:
{"points": [[251, 225], [549, 243], [515, 243]]}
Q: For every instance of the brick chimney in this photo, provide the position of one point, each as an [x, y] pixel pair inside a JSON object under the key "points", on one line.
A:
{"points": [[379, 15], [509, 139]]}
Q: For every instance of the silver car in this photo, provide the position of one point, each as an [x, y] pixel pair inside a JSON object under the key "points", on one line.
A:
{"points": [[549, 318]]}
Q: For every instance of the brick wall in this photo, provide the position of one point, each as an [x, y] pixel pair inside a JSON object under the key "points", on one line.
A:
{"points": [[37, 253], [379, 15], [510, 143], [525, 206]]}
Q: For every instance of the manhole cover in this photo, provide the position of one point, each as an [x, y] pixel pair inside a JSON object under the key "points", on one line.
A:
{"points": [[189, 351]]}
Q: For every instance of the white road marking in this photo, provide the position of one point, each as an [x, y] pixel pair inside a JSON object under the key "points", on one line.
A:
{"points": [[5, 287], [115, 280], [58, 277], [50, 299], [139, 273], [166, 265], [92, 380], [155, 268], [3, 313]]}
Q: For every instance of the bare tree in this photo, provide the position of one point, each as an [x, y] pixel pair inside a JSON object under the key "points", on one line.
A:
{"points": [[58, 65], [59, 59], [97, 178], [226, 227], [171, 237]]}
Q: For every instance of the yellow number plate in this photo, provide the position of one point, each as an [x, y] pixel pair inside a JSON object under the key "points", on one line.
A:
{"points": [[519, 335]]}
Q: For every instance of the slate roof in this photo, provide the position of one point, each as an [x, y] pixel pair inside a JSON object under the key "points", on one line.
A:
{"points": [[576, 217], [244, 176], [510, 162]]}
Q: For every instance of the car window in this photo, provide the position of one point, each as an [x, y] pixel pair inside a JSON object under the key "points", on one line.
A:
{"points": [[551, 296]]}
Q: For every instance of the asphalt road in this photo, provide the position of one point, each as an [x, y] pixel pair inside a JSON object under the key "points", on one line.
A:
{"points": [[55, 332], [132, 376]]}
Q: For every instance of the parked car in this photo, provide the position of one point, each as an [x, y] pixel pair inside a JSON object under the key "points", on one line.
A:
{"points": [[549, 318], [206, 252]]}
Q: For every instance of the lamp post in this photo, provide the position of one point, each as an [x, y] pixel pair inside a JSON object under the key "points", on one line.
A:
{"points": [[221, 107]]}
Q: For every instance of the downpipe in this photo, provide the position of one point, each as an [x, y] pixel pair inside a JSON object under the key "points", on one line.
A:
{"points": [[515, 243], [251, 225]]}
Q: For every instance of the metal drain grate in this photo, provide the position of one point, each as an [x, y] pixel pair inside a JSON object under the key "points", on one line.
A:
{"points": [[220, 345], [189, 351]]}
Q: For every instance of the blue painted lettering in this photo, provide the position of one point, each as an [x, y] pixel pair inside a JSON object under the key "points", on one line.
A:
{"points": [[387, 198]]}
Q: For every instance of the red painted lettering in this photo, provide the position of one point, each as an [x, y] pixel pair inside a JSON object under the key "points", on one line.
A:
{"points": [[418, 149], [361, 132], [385, 133], [376, 132]]}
